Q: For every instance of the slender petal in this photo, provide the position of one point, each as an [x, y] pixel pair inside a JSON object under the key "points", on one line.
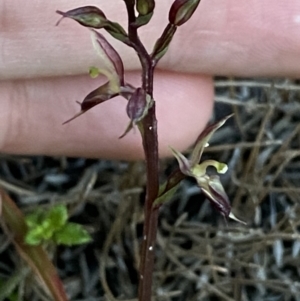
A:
{"points": [[203, 139], [184, 163], [98, 96], [110, 57], [215, 193]]}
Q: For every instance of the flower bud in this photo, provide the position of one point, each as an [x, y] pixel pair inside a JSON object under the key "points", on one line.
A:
{"points": [[182, 10], [162, 44], [138, 105], [88, 16], [209, 184], [145, 7], [137, 108]]}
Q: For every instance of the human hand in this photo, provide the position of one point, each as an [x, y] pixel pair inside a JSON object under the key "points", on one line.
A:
{"points": [[43, 71]]}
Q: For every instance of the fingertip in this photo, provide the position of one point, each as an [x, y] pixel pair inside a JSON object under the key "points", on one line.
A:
{"points": [[34, 112], [184, 110]]}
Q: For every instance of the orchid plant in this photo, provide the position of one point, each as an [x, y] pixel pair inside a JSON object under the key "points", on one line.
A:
{"points": [[142, 114]]}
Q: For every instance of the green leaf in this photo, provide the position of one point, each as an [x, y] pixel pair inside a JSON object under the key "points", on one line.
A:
{"points": [[34, 236], [42, 225], [57, 217], [33, 219], [72, 234]]}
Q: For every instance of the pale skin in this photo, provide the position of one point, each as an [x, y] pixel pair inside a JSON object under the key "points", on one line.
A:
{"points": [[43, 71]]}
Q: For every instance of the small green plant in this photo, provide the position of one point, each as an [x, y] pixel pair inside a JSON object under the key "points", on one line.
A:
{"points": [[14, 224], [53, 226]]}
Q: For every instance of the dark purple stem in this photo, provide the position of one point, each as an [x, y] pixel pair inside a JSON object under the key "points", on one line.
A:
{"points": [[150, 145]]}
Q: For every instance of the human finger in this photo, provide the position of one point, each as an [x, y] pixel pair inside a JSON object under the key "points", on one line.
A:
{"points": [[32, 113], [243, 38]]}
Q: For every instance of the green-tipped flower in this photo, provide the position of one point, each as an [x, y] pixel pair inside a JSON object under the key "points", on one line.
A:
{"points": [[182, 10], [113, 69], [210, 184]]}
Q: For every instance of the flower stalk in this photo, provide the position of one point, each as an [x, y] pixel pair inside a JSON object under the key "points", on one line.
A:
{"points": [[150, 145], [141, 110]]}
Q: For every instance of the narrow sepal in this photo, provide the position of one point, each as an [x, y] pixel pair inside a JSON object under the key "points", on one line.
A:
{"points": [[213, 189], [184, 163], [203, 139], [182, 10], [98, 96], [110, 57], [233, 217], [88, 16], [127, 130]]}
